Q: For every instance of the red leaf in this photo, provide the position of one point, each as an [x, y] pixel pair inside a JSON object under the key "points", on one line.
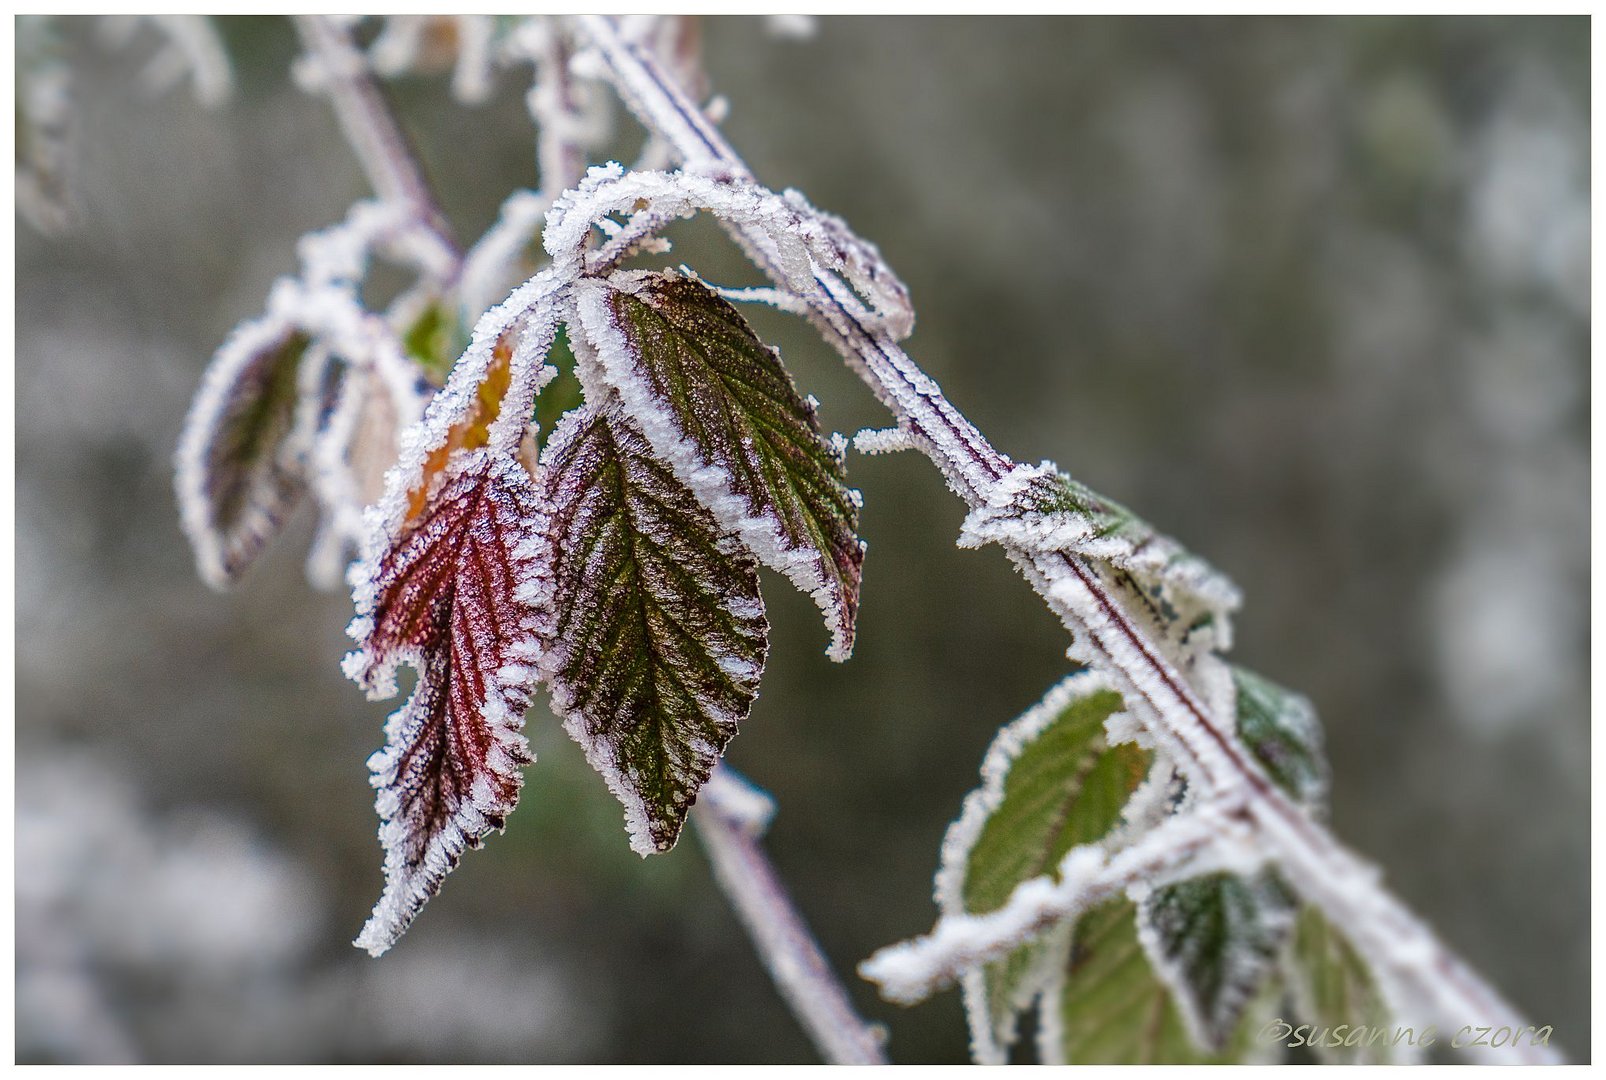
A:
{"points": [[446, 599]]}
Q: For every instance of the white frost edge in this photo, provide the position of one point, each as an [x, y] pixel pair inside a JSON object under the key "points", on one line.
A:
{"points": [[912, 970], [1162, 559], [243, 346], [802, 241]]}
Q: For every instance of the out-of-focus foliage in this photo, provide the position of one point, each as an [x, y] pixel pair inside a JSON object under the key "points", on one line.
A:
{"points": [[1310, 294]]}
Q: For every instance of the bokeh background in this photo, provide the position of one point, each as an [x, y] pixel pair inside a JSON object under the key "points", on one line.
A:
{"points": [[1310, 294]]}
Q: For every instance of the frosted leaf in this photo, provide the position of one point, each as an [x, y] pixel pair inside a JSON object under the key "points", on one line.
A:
{"points": [[1106, 1005], [656, 636], [1214, 939], [795, 242], [717, 406], [241, 455], [488, 400], [1039, 510], [447, 599], [350, 455], [1281, 729], [1088, 874], [1049, 783], [1331, 986]]}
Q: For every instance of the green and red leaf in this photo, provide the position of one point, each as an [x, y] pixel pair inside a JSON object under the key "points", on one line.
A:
{"points": [[448, 598]]}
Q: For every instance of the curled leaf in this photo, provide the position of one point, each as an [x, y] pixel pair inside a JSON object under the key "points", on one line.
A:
{"points": [[242, 454], [656, 636], [446, 599], [1181, 602], [715, 403]]}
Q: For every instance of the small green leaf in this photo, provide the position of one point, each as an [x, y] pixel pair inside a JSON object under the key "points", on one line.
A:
{"points": [[1050, 783], [1333, 987], [1281, 729], [656, 635], [1108, 1006], [436, 339], [716, 405], [1218, 936]]}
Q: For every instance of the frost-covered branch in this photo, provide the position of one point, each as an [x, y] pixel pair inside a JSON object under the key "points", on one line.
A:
{"points": [[913, 970], [731, 818], [335, 66], [1424, 979]]}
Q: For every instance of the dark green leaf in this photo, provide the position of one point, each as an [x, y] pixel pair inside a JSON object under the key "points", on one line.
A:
{"points": [[715, 403], [1281, 729], [1219, 936], [656, 637]]}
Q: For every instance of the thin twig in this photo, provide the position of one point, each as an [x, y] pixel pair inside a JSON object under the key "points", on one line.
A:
{"points": [[730, 818], [370, 126], [1401, 948]]}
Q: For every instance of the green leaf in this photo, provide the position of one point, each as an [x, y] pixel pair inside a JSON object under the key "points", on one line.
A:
{"points": [[656, 636], [1050, 783], [1218, 937], [1332, 988], [715, 403], [1281, 729], [1108, 1006]]}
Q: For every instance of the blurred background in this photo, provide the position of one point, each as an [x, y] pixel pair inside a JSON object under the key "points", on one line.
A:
{"points": [[1310, 294]]}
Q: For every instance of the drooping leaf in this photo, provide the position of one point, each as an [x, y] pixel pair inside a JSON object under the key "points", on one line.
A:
{"points": [[656, 637], [715, 403], [242, 454], [446, 599], [1335, 992], [1281, 729], [1050, 782], [1216, 938], [1107, 1006]]}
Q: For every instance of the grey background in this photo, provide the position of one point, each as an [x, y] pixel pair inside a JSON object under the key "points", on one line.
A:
{"points": [[1310, 294]]}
